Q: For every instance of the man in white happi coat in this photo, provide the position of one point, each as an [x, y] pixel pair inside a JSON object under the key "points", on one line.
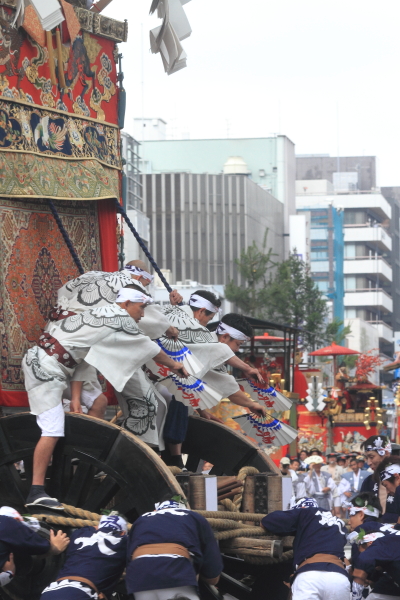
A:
{"points": [[100, 336], [319, 484], [95, 289], [214, 350], [336, 473], [350, 483]]}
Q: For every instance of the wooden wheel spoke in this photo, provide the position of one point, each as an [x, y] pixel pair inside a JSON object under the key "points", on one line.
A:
{"points": [[79, 484], [13, 489], [102, 495]]}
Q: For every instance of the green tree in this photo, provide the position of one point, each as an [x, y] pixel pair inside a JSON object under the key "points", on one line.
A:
{"points": [[336, 332], [253, 265], [293, 298]]}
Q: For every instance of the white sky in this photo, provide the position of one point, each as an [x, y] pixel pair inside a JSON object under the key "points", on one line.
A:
{"points": [[323, 72]]}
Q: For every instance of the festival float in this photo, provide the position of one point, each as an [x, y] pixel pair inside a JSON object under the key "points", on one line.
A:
{"points": [[62, 105], [340, 417]]}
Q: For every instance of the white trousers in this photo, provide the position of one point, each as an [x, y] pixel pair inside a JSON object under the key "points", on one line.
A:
{"points": [[187, 591], [321, 585]]}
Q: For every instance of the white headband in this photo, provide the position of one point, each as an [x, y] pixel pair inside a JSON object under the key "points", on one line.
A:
{"points": [[138, 271], [370, 537], [125, 294], [234, 333], [200, 302], [7, 511], [389, 471], [353, 510], [379, 448]]}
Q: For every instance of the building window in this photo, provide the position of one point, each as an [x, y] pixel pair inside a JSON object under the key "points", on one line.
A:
{"points": [[320, 265], [350, 313], [321, 254], [355, 217], [319, 234], [322, 286]]}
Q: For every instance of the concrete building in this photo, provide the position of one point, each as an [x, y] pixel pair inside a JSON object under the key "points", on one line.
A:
{"points": [[345, 173], [367, 268], [372, 237], [269, 162], [132, 194], [149, 129], [200, 223], [132, 199], [321, 228], [392, 195]]}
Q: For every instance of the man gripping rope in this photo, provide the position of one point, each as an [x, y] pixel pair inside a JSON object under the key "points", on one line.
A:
{"points": [[168, 549], [318, 550], [19, 537], [94, 563]]}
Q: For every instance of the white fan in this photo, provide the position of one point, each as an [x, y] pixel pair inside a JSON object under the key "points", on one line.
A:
{"points": [[266, 430], [177, 351], [192, 391], [270, 396]]}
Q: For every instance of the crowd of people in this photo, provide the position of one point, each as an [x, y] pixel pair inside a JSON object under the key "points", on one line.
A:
{"points": [[331, 480]]}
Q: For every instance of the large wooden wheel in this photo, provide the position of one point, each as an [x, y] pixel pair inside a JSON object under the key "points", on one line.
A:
{"points": [[224, 448], [135, 477]]}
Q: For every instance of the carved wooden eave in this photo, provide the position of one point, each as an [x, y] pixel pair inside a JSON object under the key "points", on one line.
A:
{"points": [[100, 25], [93, 22]]}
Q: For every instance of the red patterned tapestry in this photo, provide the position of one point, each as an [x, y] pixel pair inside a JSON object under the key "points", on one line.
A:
{"points": [[89, 70], [35, 262]]}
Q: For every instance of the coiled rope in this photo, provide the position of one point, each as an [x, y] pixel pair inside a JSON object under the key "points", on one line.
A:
{"points": [[66, 237]]}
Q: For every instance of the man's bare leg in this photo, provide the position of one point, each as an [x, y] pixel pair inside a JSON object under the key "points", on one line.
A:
{"points": [[41, 458], [99, 407]]}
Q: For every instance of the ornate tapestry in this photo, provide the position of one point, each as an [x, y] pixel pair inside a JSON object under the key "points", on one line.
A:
{"points": [[35, 262], [88, 65], [29, 175], [49, 133]]}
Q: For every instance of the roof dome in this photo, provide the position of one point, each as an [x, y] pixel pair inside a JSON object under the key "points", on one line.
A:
{"points": [[235, 165]]}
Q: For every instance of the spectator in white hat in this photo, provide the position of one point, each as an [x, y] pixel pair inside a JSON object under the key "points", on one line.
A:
{"points": [[319, 484]]}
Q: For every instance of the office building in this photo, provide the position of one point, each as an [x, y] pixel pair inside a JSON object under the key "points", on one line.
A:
{"points": [[200, 223], [269, 162], [132, 199], [321, 228], [369, 261]]}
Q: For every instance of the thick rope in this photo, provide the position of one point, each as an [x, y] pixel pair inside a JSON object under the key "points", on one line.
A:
{"points": [[223, 524], [174, 470], [66, 237], [236, 516], [241, 532], [143, 246], [67, 521], [81, 513], [244, 471]]}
